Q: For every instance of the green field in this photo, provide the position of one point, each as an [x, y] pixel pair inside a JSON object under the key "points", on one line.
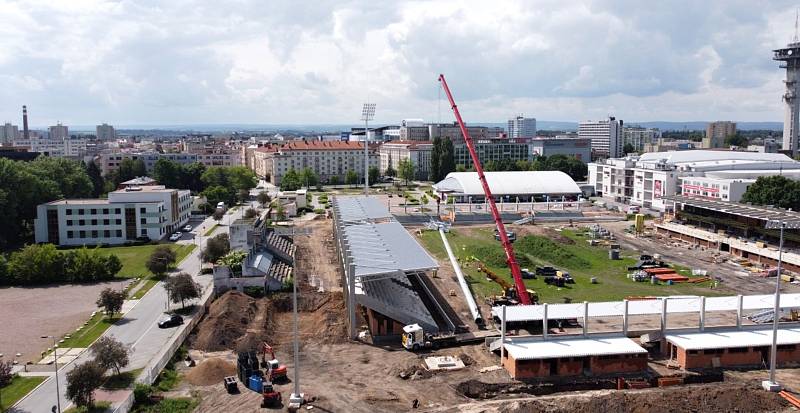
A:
{"points": [[19, 387], [134, 257], [567, 250]]}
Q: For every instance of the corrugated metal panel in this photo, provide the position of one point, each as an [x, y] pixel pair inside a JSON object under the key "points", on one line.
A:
{"points": [[533, 349], [734, 338], [385, 248]]}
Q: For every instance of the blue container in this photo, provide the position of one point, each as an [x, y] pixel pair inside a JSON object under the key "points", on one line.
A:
{"points": [[255, 383]]}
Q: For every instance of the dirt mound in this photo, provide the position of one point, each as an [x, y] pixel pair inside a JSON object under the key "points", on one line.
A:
{"points": [[210, 371], [227, 321]]}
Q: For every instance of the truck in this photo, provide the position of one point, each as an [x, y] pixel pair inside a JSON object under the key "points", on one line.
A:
{"points": [[546, 271], [415, 338]]}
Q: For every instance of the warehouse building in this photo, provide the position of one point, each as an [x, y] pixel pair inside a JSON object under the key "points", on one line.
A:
{"points": [[524, 186], [733, 348], [527, 358]]}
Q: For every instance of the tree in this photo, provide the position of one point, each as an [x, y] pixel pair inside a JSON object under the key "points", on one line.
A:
{"points": [[250, 213], [192, 177], [573, 167], [168, 173], [628, 148], [216, 194], [82, 381], [243, 195], [263, 198], [139, 168], [290, 181], [110, 354], [736, 140], [181, 287], [436, 160], [308, 177], [36, 264], [216, 248], [280, 212], [125, 171], [405, 170], [69, 176], [96, 177], [374, 173], [351, 178], [334, 180], [218, 214], [390, 172], [777, 190], [5, 376], [448, 163], [111, 301], [160, 260], [88, 265]]}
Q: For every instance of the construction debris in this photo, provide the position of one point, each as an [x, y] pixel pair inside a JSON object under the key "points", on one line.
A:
{"points": [[444, 363]]}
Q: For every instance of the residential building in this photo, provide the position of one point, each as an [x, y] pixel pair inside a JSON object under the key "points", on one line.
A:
{"points": [[109, 162], [789, 58], [8, 134], [768, 146], [494, 149], [417, 130], [58, 132], [521, 127], [326, 159], [645, 180], [150, 211], [638, 136], [663, 146], [716, 132], [606, 137], [69, 147], [106, 132], [569, 145], [418, 152]]}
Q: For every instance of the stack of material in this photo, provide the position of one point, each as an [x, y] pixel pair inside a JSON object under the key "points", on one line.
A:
{"points": [[666, 274]]}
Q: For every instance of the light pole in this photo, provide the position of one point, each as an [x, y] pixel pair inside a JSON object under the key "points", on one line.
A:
{"points": [[367, 114], [771, 384], [55, 368]]}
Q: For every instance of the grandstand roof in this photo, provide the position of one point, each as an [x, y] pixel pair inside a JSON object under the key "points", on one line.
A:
{"points": [[359, 208], [674, 157], [385, 248], [765, 213], [510, 183]]}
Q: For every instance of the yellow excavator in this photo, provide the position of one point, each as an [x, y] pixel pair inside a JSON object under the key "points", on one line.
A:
{"points": [[509, 296]]}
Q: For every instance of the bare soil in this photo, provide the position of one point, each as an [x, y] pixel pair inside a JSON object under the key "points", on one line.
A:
{"points": [[315, 254], [27, 313], [210, 371]]}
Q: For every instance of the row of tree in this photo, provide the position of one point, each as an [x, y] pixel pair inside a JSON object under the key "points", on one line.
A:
{"points": [[779, 191], [571, 166], [293, 180], [442, 159], [44, 264]]}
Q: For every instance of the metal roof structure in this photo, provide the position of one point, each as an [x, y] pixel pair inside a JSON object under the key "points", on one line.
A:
{"points": [[534, 349], [509, 183], [385, 248], [733, 338], [523, 313], [359, 209], [792, 218], [676, 157]]}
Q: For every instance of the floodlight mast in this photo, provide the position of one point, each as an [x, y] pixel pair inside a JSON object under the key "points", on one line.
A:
{"points": [[522, 293], [367, 114]]}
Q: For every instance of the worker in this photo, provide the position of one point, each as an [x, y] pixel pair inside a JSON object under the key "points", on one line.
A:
{"points": [[415, 403]]}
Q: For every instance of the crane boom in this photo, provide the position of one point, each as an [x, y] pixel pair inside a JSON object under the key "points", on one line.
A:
{"points": [[501, 229]]}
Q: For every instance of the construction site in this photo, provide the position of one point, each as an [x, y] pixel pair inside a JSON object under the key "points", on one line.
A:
{"points": [[575, 310]]}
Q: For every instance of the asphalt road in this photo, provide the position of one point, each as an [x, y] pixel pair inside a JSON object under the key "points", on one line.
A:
{"points": [[137, 329]]}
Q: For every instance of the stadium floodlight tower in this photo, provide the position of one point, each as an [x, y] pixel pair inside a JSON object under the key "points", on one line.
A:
{"points": [[789, 57], [367, 114]]}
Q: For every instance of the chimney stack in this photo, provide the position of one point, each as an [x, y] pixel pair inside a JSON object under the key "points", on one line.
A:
{"points": [[25, 133]]}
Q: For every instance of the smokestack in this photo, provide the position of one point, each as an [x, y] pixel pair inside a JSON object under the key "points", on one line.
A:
{"points": [[25, 133]]}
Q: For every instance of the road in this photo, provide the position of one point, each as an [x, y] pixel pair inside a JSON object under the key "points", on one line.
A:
{"points": [[137, 329]]}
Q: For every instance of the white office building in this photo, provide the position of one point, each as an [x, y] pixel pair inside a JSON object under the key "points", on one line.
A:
{"points": [[606, 137], [151, 212], [644, 180], [521, 127], [106, 132], [638, 137]]}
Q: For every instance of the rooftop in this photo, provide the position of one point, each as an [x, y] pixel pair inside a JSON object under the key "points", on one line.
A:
{"points": [[359, 208], [140, 180], [312, 146], [733, 338], [94, 201], [536, 348], [764, 213], [385, 248], [509, 183], [674, 157]]}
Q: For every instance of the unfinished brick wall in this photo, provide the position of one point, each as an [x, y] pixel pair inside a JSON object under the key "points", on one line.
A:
{"points": [[753, 356], [525, 369], [618, 364]]}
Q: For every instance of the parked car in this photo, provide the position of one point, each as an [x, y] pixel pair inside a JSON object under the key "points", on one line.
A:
{"points": [[170, 320], [527, 274], [176, 236], [187, 228]]}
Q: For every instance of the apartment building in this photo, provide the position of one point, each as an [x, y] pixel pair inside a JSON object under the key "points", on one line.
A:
{"points": [[572, 146], [68, 147], [521, 127], [326, 159], [418, 152], [638, 136], [58, 132], [495, 149], [106, 132], [8, 133], [606, 137], [417, 130], [716, 132], [110, 162], [128, 214]]}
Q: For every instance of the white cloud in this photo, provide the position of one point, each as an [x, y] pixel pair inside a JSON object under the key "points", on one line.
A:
{"points": [[284, 61]]}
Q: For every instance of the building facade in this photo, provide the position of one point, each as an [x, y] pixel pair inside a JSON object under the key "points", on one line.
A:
{"points": [[521, 127], [58, 132], [716, 132], [106, 132], [418, 152], [638, 136], [417, 130], [128, 214], [8, 134], [326, 159], [605, 135], [574, 147], [789, 58], [110, 162]]}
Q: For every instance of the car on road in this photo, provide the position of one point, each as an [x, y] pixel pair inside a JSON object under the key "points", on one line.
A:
{"points": [[170, 320], [176, 236], [187, 228]]}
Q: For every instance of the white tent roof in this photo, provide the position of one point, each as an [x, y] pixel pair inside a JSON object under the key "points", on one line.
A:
{"points": [[674, 157], [510, 183], [733, 338], [532, 349]]}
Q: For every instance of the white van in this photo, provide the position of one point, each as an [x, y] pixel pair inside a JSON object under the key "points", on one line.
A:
{"points": [[221, 205]]}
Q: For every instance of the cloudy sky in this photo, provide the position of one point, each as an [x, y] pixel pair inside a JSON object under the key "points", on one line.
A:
{"points": [[294, 61]]}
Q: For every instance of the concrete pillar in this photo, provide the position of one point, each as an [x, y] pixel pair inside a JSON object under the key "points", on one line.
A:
{"points": [[663, 316], [544, 321], [585, 318], [739, 305], [351, 281], [702, 313], [625, 317], [503, 336]]}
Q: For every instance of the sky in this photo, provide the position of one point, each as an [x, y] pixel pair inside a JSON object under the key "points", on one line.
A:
{"points": [[84, 62]]}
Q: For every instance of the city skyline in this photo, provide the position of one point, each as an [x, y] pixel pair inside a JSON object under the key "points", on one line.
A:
{"points": [[123, 63]]}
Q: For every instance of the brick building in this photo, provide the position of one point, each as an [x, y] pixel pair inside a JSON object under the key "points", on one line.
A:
{"points": [[733, 348]]}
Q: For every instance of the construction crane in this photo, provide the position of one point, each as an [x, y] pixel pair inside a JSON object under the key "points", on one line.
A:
{"points": [[501, 229]]}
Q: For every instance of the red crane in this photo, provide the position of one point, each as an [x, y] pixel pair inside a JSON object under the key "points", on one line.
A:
{"points": [[522, 293]]}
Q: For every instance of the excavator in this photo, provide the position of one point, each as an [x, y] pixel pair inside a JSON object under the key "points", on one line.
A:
{"points": [[276, 371], [509, 296], [521, 293]]}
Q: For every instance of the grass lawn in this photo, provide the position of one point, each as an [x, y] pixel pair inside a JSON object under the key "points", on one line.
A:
{"points": [[99, 407], [580, 259], [134, 257], [19, 387], [89, 333], [147, 284], [210, 230]]}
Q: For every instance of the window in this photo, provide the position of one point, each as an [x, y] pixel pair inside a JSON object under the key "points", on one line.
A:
{"points": [[787, 347], [119, 233], [118, 222], [94, 211], [714, 351], [144, 232], [106, 221], [83, 234], [105, 211], [69, 211], [69, 222], [81, 211], [94, 234], [738, 350], [117, 211], [143, 220], [70, 234], [142, 210], [106, 234], [82, 222], [94, 222]]}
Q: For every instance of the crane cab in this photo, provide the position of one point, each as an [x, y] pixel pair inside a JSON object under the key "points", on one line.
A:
{"points": [[413, 337]]}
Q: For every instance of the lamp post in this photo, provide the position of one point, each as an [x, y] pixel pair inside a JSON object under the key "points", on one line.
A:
{"points": [[367, 114], [771, 384], [55, 368]]}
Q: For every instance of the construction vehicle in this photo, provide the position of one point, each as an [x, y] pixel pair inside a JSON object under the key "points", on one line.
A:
{"points": [[527, 274], [276, 371], [512, 236], [511, 260], [546, 271], [254, 379], [648, 261], [270, 397], [415, 338], [509, 296]]}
